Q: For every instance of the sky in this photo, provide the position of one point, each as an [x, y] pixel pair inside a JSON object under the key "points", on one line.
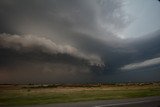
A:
{"points": [[79, 41], [145, 15]]}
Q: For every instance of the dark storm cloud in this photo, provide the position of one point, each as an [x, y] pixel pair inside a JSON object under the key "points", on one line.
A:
{"points": [[41, 67], [58, 17], [29, 58], [148, 51], [30, 42], [65, 40], [136, 60]]}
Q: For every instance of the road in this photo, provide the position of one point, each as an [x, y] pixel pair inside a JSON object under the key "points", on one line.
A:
{"points": [[136, 102]]}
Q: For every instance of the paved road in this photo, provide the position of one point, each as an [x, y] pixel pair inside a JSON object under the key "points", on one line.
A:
{"points": [[137, 102]]}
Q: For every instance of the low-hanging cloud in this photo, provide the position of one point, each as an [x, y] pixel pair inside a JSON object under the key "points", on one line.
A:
{"points": [[30, 43], [143, 64], [59, 40]]}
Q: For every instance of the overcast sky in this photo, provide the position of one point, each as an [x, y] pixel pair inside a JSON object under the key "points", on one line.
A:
{"points": [[79, 41]]}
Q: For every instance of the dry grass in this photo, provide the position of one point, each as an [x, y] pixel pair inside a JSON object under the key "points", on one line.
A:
{"points": [[33, 94]]}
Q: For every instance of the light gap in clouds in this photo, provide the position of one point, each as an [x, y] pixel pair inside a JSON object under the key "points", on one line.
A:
{"points": [[143, 64]]}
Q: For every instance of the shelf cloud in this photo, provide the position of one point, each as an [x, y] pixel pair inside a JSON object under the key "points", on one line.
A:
{"points": [[30, 43]]}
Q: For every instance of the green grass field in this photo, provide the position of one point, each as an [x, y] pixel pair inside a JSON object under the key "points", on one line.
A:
{"points": [[26, 95]]}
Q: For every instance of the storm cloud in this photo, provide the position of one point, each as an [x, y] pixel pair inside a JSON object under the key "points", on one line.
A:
{"points": [[30, 42], [71, 41]]}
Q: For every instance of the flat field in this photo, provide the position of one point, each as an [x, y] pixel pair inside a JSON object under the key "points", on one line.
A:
{"points": [[44, 94]]}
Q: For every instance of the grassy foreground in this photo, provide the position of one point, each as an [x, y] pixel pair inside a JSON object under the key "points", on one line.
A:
{"points": [[31, 94]]}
